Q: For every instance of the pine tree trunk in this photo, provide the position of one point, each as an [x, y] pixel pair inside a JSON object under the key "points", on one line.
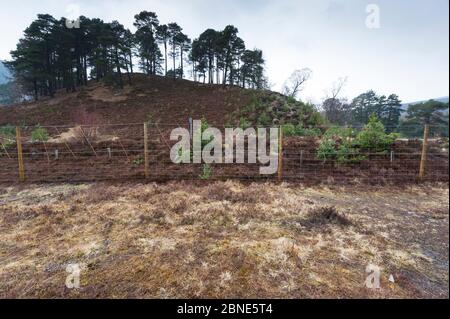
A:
{"points": [[36, 97], [119, 72], [131, 63], [174, 58], [85, 71], [165, 53], [181, 63]]}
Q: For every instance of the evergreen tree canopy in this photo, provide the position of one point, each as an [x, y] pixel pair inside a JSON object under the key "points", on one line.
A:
{"points": [[432, 113], [387, 110], [53, 56]]}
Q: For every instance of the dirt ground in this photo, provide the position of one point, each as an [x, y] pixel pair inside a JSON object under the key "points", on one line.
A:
{"points": [[223, 240]]}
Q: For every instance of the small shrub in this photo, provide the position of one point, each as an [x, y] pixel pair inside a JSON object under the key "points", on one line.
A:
{"points": [[204, 125], [374, 137], [7, 135], [316, 119], [39, 134], [206, 172], [326, 150], [312, 132], [264, 119], [339, 132], [309, 115], [291, 100], [138, 161], [7, 130], [198, 134], [254, 105], [289, 130], [244, 123], [229, 124], [347, 154], [338, 143]]}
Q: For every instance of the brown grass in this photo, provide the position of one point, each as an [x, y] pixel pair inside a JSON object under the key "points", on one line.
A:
{"points": [[222, 240]]}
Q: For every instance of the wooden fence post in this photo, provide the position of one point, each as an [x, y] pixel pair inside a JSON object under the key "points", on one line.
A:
{"points": [[146, 163], [280, 155], [423, 159], [20, 155]]}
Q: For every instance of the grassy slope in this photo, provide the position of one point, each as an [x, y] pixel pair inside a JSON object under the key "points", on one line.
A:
{"points": [[165, 100]]}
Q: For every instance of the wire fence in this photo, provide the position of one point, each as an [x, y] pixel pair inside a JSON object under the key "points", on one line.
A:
{"points": [[140, 151]]}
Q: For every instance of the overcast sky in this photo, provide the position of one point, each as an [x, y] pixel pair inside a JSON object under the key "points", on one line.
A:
{"points": [[408, 54]]}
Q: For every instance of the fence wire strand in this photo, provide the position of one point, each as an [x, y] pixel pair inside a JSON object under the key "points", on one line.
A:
{"points": [[116, 152]]}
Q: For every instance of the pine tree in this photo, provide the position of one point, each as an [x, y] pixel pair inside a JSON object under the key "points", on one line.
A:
{"points": [[392, 112], [146, 24], [184, 44], [51, 56], [363, 106], [252, 69], [175, 35], [163, 36], [432, 113]]}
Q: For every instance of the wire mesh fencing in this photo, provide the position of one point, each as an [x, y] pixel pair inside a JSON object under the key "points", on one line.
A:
{"points": [[138, 151]]}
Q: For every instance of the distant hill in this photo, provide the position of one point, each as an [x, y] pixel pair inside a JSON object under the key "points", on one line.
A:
{"points": [[444, 99], [440, 99], [4, 73]]}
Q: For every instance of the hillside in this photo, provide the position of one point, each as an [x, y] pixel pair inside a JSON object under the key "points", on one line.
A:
{"points": [[165, 100], [153, 98]]}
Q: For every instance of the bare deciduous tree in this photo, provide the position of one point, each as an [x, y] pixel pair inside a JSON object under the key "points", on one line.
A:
{"points": [[336, 110], [337, 87], [296, 82]]}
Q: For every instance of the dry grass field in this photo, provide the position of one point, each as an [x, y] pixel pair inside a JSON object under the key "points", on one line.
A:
{"points": [[223, 240]]}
